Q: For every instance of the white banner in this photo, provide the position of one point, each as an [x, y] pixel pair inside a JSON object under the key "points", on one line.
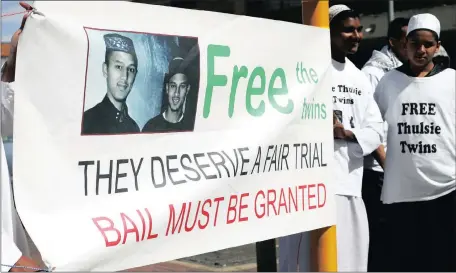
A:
{"points": [[146, 133]]}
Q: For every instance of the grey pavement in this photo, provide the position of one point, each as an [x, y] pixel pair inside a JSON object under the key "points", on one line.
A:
{"points": [[237, 259], [226, 257]]}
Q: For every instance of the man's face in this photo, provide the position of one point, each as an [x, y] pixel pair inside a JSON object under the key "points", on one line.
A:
{"points": [[120, 74], [398, 46], [421, 47], [348, 35], [177, 89]]}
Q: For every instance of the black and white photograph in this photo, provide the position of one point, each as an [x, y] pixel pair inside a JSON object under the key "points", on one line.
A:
{"points": [[140, 83]]}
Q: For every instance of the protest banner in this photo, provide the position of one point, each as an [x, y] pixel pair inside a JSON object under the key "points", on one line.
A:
{"points": [[147, 133]]}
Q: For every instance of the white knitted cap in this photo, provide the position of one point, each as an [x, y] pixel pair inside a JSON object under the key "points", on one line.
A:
{"points": [[424, 21], [335, 10]]}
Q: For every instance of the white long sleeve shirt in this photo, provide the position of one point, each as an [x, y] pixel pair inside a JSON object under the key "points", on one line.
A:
{"points": [[355, 106], [14, 239]]}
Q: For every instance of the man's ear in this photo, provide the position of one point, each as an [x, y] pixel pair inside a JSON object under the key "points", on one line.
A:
{"points": [[390, 43], [104, 68], [167, 88]]}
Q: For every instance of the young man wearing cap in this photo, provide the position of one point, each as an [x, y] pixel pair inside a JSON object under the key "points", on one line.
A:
{"points": [[110, 116], [417, 100], [357, 133], [177, 86], [389, 57]]}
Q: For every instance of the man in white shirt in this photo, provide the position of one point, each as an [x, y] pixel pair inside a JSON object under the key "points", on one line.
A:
{"points": [[357, 133], [417, 100], [16, 249], [389, 57]]}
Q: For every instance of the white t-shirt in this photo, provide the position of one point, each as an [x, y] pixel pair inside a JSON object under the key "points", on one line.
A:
{"points": [[354, 104], [421, 156]]}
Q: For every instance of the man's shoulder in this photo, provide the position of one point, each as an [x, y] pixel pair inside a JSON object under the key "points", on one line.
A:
{"points": [[154, 123], [91, 119], [352, 68], [94, 111], [390, 76], [137, 129], [383, 90], [361, 76], [373, 71], [157, 119], [449, 71]]}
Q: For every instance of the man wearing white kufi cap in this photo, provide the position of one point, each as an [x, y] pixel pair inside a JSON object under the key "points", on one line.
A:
{"points": [[418, 102], [357, 133]]}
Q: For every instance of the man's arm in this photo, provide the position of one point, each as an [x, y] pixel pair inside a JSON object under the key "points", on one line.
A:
{"points": [[369, 135], [374, 74], [380, 155], [9, 68]]}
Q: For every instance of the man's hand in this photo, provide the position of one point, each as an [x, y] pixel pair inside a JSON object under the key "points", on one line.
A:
{"points": [[24, 261], [10, 65], [340, 132]]}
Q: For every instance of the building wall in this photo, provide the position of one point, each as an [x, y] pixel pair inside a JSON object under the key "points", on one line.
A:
{"points": [[446, 15], [379, 21], [377, 39]]}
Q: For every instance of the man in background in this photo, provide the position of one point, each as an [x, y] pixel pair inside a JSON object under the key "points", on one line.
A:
{"points": [[389, 57], [110, 116], [177, 86]]}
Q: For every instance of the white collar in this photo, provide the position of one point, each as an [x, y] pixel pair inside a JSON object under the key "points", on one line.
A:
{"points": [[180, 119]]}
